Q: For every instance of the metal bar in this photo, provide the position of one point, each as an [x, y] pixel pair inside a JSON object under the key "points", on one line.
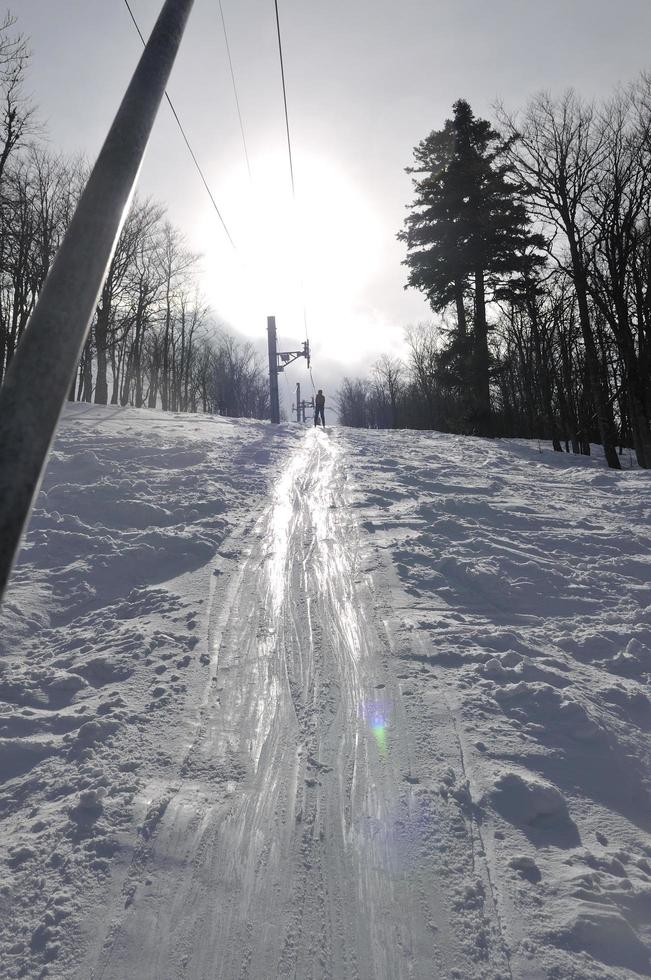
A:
{"points": [[41, 373], [273, 370]]}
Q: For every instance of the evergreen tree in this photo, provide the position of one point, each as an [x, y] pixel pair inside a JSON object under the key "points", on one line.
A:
{"points": [[468, 233]]}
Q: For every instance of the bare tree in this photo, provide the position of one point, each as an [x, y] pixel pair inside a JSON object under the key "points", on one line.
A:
{"points": [[618, 204], [388, 390], [559, 151], [423, 344], [17, 114], [38, 196], [177, 266]]}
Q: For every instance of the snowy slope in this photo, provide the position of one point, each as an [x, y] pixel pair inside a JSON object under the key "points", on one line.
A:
{"points": [[528, 579], [353, 704], [105, 653]]}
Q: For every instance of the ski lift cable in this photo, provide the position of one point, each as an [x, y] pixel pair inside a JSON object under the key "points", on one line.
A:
{"points": [[186, 140], [282, 76], [291, 159], [237, 101], [289, 394]]}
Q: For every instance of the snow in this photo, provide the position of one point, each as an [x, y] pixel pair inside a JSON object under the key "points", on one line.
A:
{"points": [[529, 600], [277, 702]]}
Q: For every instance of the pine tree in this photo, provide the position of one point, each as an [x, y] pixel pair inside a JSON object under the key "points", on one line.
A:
{"points": [[468, 233]]}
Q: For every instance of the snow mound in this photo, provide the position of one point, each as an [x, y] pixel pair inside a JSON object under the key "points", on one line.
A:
{"points": [[525, 800], [526, 867], [605, 935], [543, 703]]}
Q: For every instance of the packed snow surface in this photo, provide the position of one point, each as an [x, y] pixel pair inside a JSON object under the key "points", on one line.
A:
{"points": [[343, 704]]}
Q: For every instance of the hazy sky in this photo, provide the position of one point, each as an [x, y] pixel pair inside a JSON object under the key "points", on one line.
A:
{"points": [[367, 79]]}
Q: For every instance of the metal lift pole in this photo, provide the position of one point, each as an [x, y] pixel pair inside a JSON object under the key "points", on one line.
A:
{"points": [[278, 361], [273, 371], [43, 368]]}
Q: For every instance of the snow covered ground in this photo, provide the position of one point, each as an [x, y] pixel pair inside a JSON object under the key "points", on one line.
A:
{"points": [[527, 611], [353, 704]]}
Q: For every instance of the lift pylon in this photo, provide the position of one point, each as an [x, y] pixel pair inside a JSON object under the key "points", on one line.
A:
{"points": [[278, 361]]}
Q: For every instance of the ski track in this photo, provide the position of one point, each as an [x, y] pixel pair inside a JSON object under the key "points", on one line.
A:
{"points": [[297, 841], [355, 704]]}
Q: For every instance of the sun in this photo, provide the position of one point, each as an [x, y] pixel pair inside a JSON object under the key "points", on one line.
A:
{"points": [[316, 251]]}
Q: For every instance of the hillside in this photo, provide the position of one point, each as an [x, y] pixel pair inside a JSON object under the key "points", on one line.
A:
{"points": [[364, 704]]}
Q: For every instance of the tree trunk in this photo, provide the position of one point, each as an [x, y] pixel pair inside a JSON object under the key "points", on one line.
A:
{"points": [[634, 380], [101, 337], [542, 370], [115, 371], [138, 397], [603, 409], [153, 387], [87, 394], [462, 321], [481, 360]]}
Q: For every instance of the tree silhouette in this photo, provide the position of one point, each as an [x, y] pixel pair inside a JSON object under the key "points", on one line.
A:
{"points": [[468, 233]]}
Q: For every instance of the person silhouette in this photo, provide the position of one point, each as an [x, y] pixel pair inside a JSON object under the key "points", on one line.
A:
{"points": [[319, 406]]}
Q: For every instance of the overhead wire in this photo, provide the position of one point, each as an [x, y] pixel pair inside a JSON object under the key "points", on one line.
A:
{"points": [[237, 101], [289, 393], [282, 75], [242, 131], [186, 140], [291, 159]]}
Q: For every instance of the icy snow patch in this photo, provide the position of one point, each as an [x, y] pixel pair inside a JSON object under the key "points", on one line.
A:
{"points": [[111, 593]]}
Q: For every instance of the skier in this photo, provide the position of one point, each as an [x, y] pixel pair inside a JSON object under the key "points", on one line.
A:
{"points": [[319, 405]]}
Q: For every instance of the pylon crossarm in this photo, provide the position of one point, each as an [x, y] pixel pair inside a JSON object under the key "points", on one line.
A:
{"points": [[285, 358]]}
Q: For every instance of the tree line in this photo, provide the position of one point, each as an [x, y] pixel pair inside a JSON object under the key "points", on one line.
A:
{"points": [[153, 341], [532, 243]]}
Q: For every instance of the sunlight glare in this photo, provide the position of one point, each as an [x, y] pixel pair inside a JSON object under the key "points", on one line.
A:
{"points": [[323, 249]]}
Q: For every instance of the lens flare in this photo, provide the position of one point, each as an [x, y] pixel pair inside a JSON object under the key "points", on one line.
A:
{"points": [[379, 730], [376, 716]]}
